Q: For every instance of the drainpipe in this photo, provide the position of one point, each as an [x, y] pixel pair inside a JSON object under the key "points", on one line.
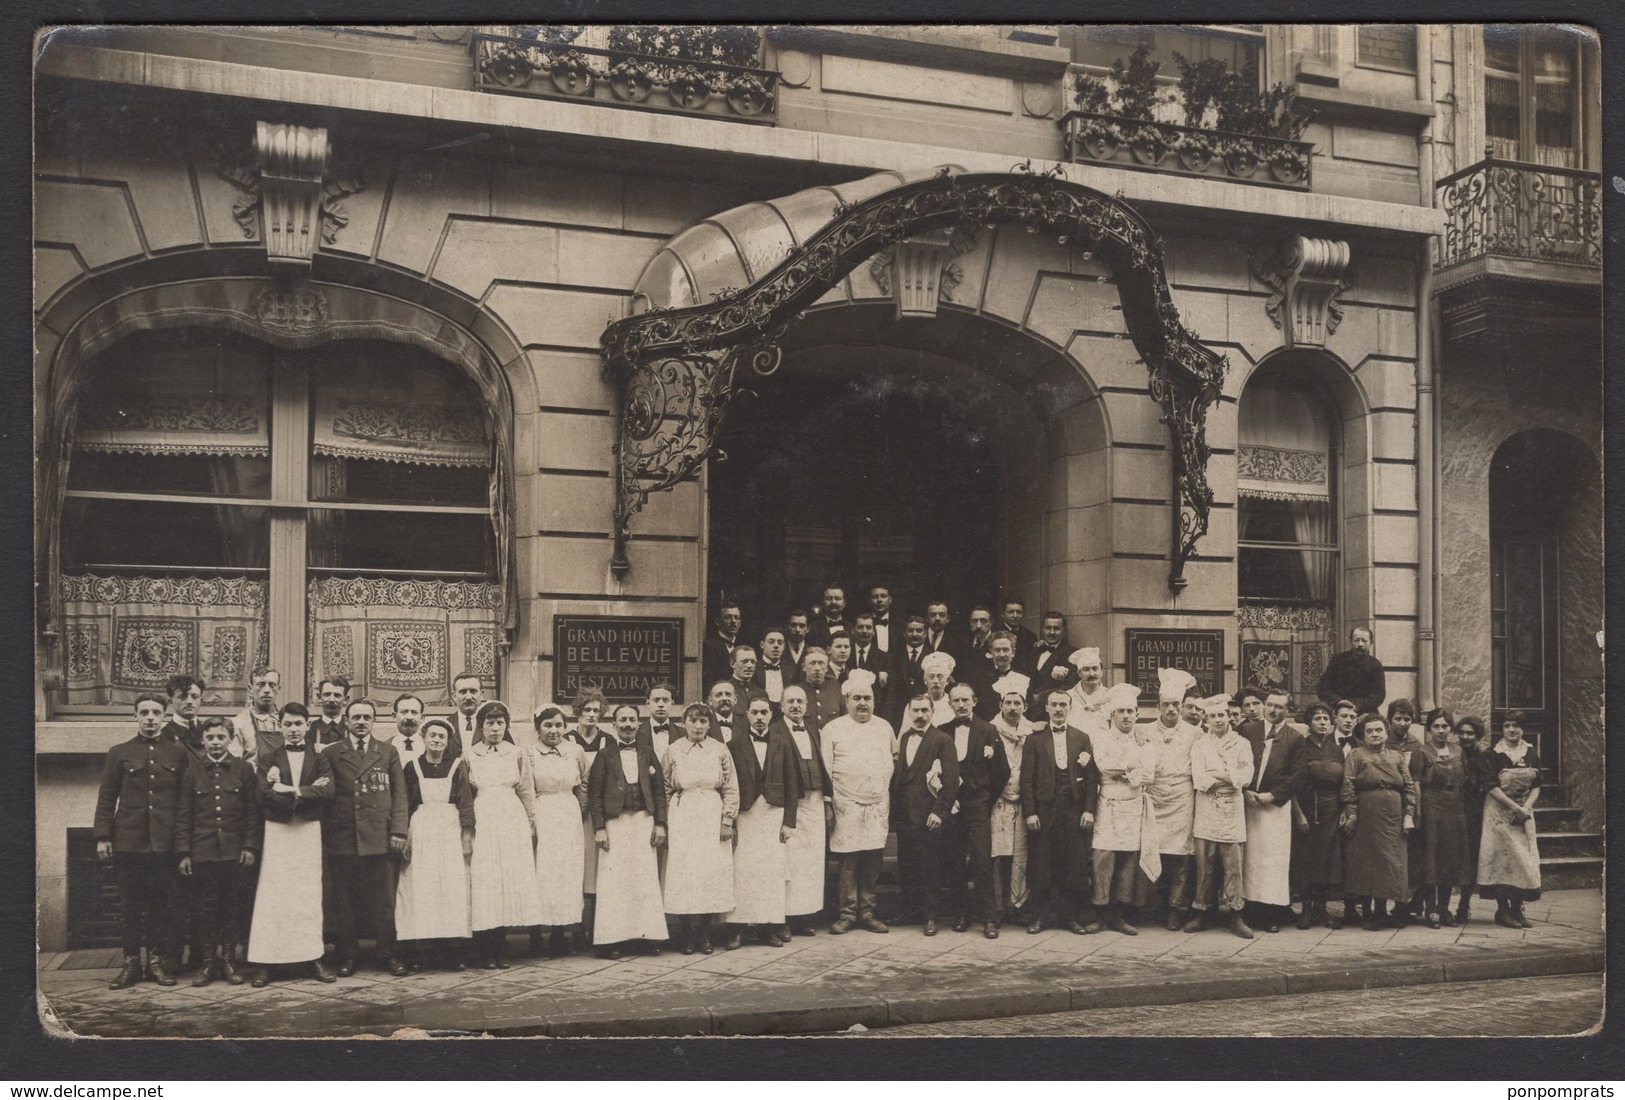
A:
{"points": [[1427, 345]]}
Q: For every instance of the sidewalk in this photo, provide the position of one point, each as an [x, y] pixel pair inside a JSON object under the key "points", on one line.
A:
{"points": [[828, 983]]}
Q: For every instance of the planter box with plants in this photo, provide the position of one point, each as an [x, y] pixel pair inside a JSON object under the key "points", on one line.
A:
{"points": [[703, 70], [1230, 129]]}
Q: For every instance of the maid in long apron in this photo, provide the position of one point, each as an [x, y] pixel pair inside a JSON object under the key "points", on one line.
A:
{"points": [[432, 896], [296, 784], [559, 770], [1508, 858]]}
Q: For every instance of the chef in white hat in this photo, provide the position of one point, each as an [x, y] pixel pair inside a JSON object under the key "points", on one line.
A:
{"points": [[1008, 834], [858, 749], [1089, 708], [1172, 798], [1125, 761], [1221, 766]]}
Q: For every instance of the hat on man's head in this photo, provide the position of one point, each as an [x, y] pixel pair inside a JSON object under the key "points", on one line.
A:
{"points": [[1088, 655], [1123, 697], [1173, 683], [1219, 702], [938, 662], [1012, 683], [859, 679]]}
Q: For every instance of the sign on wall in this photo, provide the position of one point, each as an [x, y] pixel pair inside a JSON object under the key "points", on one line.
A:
{"points": [[1198, 652], [621, 655]]}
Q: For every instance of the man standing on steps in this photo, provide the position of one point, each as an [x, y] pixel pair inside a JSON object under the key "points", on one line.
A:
{"points": [[1354, 674], [1221, 766], [857, 751]]}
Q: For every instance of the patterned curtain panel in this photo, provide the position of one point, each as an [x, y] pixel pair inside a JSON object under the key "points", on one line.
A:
{"points": [[127, 635], [427, 417], [184, 403], [391, 636], [1284, 648], [1284, 448]]}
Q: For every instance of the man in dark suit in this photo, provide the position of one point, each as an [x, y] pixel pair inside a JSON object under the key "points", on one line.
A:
{"points": [[880, 608], [906, 678], [219, 832], [332, 695], [728, 720], [629, 821], [1354, 674], [867, 655], [1047, 665], [1059, 788], [658, 730], [824, 703], [983, 772], [742, 665], [136, 805], [185, 696], [1278, 766], [981, 633], [773, 672], [1013, 611], [363, 836], [924, 785], [939, 636], [832, 620], [716, 656], [769, 792], [982, 672], [796, 628]]}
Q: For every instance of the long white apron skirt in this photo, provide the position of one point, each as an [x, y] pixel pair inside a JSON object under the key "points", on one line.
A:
{"points": [[287, 924], [1009, 832], [629, 905], [432, 896], [1267, 860], [503, 870], [699, 863], [559, 859], [761, 869], [805, 854]]}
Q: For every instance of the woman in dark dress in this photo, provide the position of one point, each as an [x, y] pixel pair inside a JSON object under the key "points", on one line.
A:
{"points": [[1480, 776], [1508, 858], [1379, 800], [1443, 851], [1317, 851]]}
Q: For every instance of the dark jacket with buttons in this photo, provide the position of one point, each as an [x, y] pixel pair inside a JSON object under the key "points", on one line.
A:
{"points": [[778, 778], [369, 799], [606, 784], [219, 812], [140, 793]]}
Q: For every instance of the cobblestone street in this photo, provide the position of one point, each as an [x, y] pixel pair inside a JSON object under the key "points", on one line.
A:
{"points": [[827, 983], [1564, 1005]]}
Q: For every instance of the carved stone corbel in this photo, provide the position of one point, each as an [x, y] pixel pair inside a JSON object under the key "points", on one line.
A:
{"points": [[1306, 273], [288, 199], [921, 271]]}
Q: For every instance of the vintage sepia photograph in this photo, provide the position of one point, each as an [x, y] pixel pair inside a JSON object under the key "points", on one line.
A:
{"points": [[639, 530]]}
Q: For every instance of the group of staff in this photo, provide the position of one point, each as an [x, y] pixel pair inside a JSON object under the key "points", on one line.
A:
{"points": [[290, 838]]}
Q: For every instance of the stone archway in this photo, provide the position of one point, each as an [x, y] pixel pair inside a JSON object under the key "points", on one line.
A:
{"points": [[675, 368]]}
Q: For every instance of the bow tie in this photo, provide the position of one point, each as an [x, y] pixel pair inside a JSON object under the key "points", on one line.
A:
{"points": [[770, 668], [884, 620], [408, 739], [1349, 740], [759, 738], [798, 729], [662, 728]]}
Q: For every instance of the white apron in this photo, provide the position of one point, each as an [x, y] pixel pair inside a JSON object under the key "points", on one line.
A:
{"points": [[1507, 854], [1268, 858], [760, 866], [629, 904], [431, 898], [287, 924], [859, 760], [804, 855], [559, 859]]}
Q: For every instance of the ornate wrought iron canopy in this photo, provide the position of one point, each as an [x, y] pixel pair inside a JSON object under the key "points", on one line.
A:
{"points": [[675, 368]]}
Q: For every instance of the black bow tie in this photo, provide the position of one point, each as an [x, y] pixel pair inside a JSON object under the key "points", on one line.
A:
{"points": [[662, 728], [1349, 740], [884, 620], [759, 738], [798, 729], [770, 668]]}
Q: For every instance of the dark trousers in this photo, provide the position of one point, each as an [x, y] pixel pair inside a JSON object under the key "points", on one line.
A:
{"points": [[973, 890], [248, 884], [362, 900], [216, 893], [1174, 886], [860, 871], [922, 866], [147, 890], [1058, 863]]}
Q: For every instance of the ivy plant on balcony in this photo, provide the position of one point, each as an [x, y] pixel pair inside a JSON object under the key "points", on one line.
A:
{"points": [[1225, 117]]}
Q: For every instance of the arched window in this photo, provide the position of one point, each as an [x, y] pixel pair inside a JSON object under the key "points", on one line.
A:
{"points": [[326, 512], [1287, 551]]}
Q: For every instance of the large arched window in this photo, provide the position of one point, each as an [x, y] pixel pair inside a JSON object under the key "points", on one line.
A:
{"points": [[1287, 521], [327, 512]]}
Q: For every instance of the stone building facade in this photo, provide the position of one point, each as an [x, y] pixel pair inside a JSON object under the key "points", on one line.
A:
{"points": [[330, 306]]}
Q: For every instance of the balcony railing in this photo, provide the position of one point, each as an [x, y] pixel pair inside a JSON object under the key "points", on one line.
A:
{"points": [[1187, 150], [1522, 211], [563, 70]]}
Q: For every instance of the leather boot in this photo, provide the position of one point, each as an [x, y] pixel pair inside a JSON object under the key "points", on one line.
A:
{"points": [[1239, 927], [205, 970], [228, 965], [158, 965], [129, 973]]}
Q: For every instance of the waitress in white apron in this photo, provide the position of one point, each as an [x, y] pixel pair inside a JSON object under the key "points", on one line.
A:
{"points": [[431, 898]]}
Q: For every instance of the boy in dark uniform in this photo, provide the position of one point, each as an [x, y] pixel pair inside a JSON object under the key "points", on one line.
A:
{"points": [[218, 831], [135, 829]]}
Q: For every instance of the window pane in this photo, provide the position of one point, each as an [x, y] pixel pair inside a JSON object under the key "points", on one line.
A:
{"points": [[1286, 576], [191, 475], [373, 482], [157, 533], [419, 542]]}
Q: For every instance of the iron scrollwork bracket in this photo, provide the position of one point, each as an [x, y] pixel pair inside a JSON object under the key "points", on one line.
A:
{"points": [[676, 368]]}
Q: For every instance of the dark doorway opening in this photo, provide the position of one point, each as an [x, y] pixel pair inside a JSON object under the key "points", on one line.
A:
{"points": [[856, 479]]}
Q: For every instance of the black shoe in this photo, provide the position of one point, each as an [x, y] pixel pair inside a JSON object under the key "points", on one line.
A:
{"points": [[705, 947], [807, 929], [129, 974], [262, 978], [319, 971], [873, 924], [1523, 921], [206, 969], [961, 924], [734, 942], [1174, 923], [346, 968], [1035, 927], [395, 966], [990, 931], [158, 971], [1306, 920], [1272, 925], [931, 926]]}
